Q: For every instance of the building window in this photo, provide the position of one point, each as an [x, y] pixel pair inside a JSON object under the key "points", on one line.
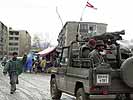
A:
{"points": [[16, 33], [13, 44], [92, 30], [1, 39], [16, 38], [10, 53], [84, 28], [10, 43], [11, 33], [13, 49], [10, 38]]}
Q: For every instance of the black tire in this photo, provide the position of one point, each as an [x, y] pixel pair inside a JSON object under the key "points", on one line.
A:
{"points": [[126, 96], [55, 93], [80, 95]]}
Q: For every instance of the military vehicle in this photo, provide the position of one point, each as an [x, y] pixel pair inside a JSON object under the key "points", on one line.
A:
{"points": [[79, 76]]}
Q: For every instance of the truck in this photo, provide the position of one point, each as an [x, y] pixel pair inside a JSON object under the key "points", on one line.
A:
{"points": [[79, 77]]}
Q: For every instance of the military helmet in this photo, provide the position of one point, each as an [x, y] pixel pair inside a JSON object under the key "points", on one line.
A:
{"points": [[100, 43], [92, 43]]}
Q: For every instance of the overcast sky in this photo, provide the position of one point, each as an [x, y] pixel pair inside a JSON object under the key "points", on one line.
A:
{"points": [[40, 17]]}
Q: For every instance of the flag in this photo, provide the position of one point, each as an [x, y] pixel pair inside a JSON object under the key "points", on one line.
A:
{"points": [[90, 5]]}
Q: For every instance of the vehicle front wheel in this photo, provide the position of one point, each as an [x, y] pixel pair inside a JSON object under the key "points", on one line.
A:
{"points": [[126, 96], [80, 95], [55, 93]]}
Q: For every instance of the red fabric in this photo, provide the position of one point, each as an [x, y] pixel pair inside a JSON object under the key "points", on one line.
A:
{"points": [[92, 42], [46, 51], [90, 5], [108, 52]]}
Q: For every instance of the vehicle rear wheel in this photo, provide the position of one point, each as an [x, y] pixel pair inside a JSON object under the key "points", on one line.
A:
{"points": [[55, 93], [80, 95]]}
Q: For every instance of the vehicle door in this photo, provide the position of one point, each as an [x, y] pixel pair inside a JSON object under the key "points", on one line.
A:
{"points": [[78, 71], [62, 69]]}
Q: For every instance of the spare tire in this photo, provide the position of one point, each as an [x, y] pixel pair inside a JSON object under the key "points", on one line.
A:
{"points": [[127, 72]]}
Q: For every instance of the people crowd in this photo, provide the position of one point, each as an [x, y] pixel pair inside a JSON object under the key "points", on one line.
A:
{"points": [[36, 65], [15, 66]]}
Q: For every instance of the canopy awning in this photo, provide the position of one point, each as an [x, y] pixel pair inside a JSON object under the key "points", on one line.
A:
{"points": [[46, 51]]}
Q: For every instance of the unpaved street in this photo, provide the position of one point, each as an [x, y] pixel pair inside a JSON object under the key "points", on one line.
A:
{"points": [[31, 87]]}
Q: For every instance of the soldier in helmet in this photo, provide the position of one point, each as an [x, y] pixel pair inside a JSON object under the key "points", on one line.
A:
{"points": [[95, 55], [88, 47], [14, 68]]}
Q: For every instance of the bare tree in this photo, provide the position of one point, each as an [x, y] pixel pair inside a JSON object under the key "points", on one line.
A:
{"points": [[42, 42], [36, 41]]}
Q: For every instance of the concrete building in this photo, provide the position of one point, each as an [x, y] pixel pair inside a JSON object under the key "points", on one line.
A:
{"points": [[83, 29], [3, 39], [25, 42], [19, 41]]}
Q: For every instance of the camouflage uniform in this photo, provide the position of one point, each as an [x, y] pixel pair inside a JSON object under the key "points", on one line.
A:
{"points": [[88, 47], [96, 57], [95, 54], [14, 68], [85, 51]]}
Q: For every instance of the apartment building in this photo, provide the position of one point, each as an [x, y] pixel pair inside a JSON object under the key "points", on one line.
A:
{"points": [[19, 41], [3, 40], [83, 29], [25, 42]]}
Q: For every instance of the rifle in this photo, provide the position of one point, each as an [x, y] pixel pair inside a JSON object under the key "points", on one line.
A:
{"points": [[112, 36]]}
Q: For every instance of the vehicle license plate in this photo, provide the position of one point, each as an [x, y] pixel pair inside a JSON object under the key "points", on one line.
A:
{"points": [[102, 78]]}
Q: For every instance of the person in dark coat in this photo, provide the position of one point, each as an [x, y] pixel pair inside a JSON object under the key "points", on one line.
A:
{"points": [[14, 67], [24, 62], [88, 47], [95, 55]]}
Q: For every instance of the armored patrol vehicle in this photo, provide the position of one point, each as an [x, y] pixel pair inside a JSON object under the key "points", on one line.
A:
{"points": [[79, 76]]}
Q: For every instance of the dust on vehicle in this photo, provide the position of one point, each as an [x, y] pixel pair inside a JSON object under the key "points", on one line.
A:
{"points": [[79, 76]]}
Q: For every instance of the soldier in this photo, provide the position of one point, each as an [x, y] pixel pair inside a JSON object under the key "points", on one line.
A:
{"points": [[88, 47], [95, 55], [14, 68]]}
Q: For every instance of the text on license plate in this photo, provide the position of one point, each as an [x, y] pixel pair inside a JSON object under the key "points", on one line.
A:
{"points": [[102, 78]]}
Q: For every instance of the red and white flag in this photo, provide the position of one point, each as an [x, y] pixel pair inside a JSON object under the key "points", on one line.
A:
{"points": [[90, 5]]}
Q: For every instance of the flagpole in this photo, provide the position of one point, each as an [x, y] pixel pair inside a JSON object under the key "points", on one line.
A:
{"points": [[81, 18]]}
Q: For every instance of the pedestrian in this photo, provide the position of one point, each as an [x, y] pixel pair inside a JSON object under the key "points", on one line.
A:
{"points": [[29, 62], [14, 68], [43, 64], [24, 62], [96, 54], [4, 60], [34, 67]]}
